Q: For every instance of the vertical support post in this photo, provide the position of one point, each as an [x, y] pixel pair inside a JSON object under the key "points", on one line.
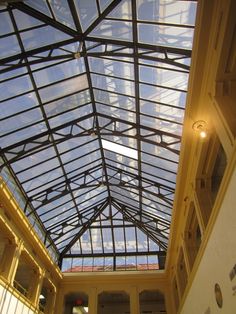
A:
{"points": [[134, 301], [35, 286], [10, 260], [59, 304], [51, 302], [93, 300], [186, 258]]}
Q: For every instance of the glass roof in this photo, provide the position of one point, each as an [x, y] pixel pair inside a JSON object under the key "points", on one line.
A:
{"points": [[92, 100]]}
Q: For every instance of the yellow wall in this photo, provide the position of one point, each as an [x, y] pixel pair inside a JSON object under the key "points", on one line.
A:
{"points": [[133, 283], [218, 260]]}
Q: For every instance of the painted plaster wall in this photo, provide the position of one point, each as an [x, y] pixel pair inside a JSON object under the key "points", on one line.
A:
{"points": [[217, 262]]}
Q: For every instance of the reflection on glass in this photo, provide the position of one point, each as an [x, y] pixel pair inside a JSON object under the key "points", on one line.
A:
{"points": [[42, 36], [122, 11], [167, 11], [64, 88], [165, 35], [62, 12], [114, 29], [87, 11]]}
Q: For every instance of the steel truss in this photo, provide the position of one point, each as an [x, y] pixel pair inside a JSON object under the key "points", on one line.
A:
{"points": [[64, 233]]}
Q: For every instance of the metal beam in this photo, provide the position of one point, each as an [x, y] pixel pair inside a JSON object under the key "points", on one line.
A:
{"points": [[43, 18], [141, 226], [91, 181], [142, 47], [109, 129], [86, 226], [31, 53], [100, 18], [108, 49], [146, 215], [135, 253], [36, 141]]}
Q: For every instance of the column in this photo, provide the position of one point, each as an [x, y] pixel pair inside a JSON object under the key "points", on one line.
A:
{"points": [[10, 260], [51, 302], [186, 257], [134, 301], [59, 304], [35, 286], [93, 300]]}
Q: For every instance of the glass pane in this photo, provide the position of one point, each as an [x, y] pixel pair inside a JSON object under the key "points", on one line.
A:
{"points": [[41, 37], [39, 5], [59, 72], [23, 134], [85, 242], [24, 20], [6, 26], [107, 240], [131, 243], [112, 67], [15, 87], [113, 29], [20, 121], [70, 116], [162, 125], [116, 112], [119, 159], [142, 241], [131, 262], [113, 84], [122, 11], [153, 262], [17, 105], [12, 73], [142, 262], [67, 103], [168, 11], [64, 88], [96, 240], [165, 35], [104, 4], [87, 11], [173, 79], [119, 239], [166, 96], [161, 111], [62, 13], [9, 46], [112, 99]]}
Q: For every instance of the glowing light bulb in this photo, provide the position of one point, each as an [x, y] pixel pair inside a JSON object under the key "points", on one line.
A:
{"points": [[200, 127], [203, 134]]}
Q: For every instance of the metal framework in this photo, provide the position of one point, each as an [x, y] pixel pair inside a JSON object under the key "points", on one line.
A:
{"points": [[92, 106]]}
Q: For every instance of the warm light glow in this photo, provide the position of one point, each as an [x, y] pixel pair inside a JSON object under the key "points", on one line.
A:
{"points": [[203, 134], [200, 127], [120, 149], [41, 297], [86, 309]]}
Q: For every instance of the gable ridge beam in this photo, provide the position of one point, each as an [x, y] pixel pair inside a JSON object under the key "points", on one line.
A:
{"points": [[141, 227], [111, 6], [86, 226]]}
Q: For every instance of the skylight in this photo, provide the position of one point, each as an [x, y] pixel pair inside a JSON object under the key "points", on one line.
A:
{"points": [[119, 67], [120, 149]]}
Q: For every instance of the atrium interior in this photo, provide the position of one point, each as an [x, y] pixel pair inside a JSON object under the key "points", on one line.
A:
{"points": [[117, 156]]}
